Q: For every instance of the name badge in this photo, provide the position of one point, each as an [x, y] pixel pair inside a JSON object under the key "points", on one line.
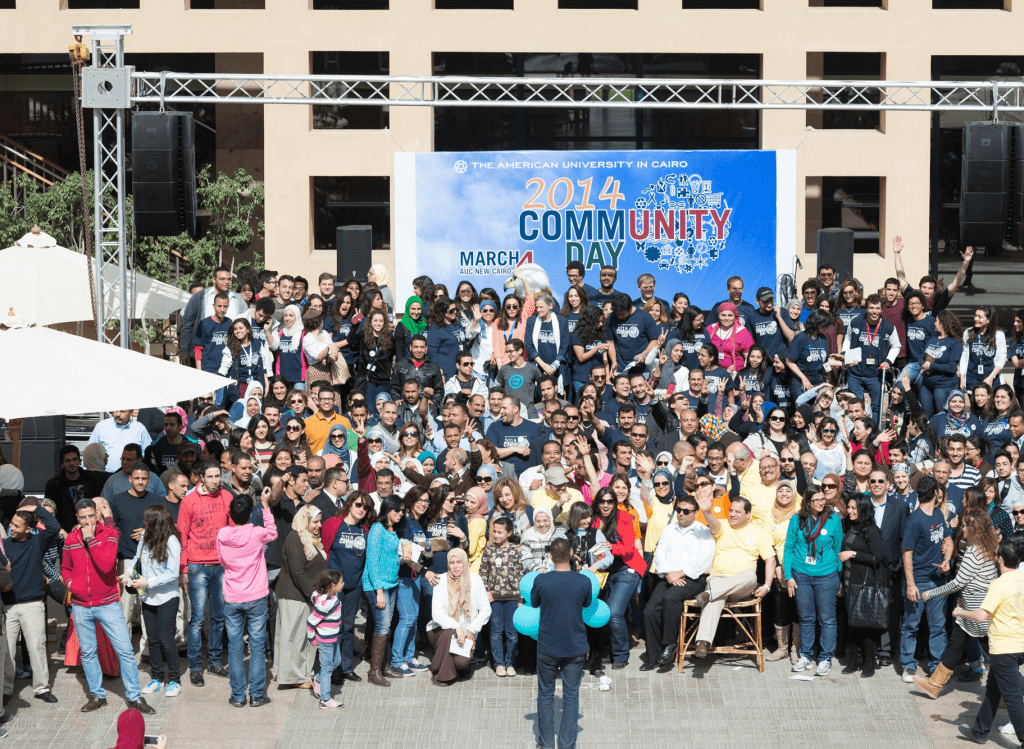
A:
{"points": [[810, 560], [870, 361], [981, 369]]}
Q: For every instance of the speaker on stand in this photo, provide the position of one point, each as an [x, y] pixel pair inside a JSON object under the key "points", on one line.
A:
{"points": [[164, 173], [835, 248], [355, 252], [992, 184]]}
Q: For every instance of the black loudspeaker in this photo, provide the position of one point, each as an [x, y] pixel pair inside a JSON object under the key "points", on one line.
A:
{"points": [[355, 252], [164, 173], [992, 184], [39, 461], [835, 248]]}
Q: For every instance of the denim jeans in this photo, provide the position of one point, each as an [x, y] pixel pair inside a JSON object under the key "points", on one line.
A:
{"points": [[621, 587], [349, 607], [913, 370], [816, 602], [1004, 682], [205, 580], [933, 399], [372, 390], [872, 385], [330, 655], [501, 624], [111, 618], [382, 617], [403, 650], [572, 674], [935, 610], [240, 617]]}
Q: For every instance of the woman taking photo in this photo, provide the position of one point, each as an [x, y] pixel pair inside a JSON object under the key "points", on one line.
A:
{"points": [[412, 323], [574, 303], [403, 651], [344, 536], [783, 605], [984, 350], [384, 555], [861, 556], [974, 574], [303, 558], [159, 557], [444, 336], [459, 609], [811, 572], [624, 574], [376, 353]]}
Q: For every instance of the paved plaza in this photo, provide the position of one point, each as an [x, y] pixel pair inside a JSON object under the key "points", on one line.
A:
{"points": [[724, 703]]}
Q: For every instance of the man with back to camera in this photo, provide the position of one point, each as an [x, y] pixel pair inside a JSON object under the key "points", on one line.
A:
{"points": [[561, 595]]}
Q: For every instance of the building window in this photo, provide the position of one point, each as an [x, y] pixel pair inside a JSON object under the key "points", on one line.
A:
{"points": [[721, 4], [348, 201], [847, 203], [593, 128], [474, 4], [357, 116], [350, 4], [970, 5], [597, 4], [847, 3], [7, 4], [840, 66], [101, 4], [227, 5]]}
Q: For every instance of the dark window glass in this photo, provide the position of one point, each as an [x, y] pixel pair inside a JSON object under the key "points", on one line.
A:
{"points": [[721, 4], [94, 4], [848, 203], [597, 4], [968, 4], [227, 4], [7, 4], [473, 4], [846, 3], [350, 4], [355, 117], [347, 201], [858, 66]]}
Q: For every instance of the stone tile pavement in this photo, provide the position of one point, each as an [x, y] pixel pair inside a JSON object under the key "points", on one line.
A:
{"points": [[724, 703]]}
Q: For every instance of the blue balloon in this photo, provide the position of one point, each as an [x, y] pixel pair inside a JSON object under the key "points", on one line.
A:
{"points": [[527, 621], [595, 584], [526, 585], [590, 610], [599, 617]]}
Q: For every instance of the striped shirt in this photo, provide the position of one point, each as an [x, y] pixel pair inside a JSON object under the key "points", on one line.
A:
{"points": [[324, 621], [973, 576], [970, 477]]}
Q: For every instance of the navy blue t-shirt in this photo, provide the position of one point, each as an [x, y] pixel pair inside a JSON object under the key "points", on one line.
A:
{"points": [[411, 530], [504, 435], [765, 328], [691, 349], [919, 333], [810, 355], [438, 561], [347, 554], [923, 535], [581, 370], [561, 598], [631, 336]]}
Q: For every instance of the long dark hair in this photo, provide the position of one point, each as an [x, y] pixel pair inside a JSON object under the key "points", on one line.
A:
{"points": [[1019, 314], [977, 529], [473, 299], [384, 342], [611, 528], [254, 422], [687, 331], [590, 326], [990, 329], [584, 302], [158, 526], [390, 504], [762, 369], [338, 318], [438, 310], [371, 514], [990, 410], [712, 351], [865, 514], [233, 343], [804, 513], [950, 324]]}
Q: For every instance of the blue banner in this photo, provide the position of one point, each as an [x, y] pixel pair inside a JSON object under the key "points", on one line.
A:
{"points": [[691, 219]]}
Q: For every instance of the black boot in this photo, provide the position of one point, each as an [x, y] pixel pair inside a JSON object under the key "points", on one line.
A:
{"points": [[853, 660], [870, 659]]}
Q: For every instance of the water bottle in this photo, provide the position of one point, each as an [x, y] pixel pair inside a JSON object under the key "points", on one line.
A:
{"points": [[141, 591]]}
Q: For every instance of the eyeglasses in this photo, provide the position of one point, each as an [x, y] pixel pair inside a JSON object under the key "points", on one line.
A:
{"points": [[877, 481], [817, 499], [787, 460], [484, 479], [293, 429], [702, 484], [409, 434], [375, 439], [685, 510], [776, 418], [827, 487], [1018, 512], [828, 431], [606, 501], [662, 483]]}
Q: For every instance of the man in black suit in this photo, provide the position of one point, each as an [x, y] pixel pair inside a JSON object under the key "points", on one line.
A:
{"points": [[890, 514]]}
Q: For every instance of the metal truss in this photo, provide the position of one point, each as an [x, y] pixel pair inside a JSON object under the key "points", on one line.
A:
{"points": [[574, 93]]}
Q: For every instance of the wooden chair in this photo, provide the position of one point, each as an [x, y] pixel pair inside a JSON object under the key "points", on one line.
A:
{"points": [[746, 614]]}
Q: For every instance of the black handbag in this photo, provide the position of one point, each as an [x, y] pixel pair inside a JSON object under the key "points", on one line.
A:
{"points": [[867, 604]]}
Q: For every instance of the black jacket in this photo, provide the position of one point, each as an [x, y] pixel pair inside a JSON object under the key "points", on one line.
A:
{"points": [[895, 515], [870, 552], [428, 375]]}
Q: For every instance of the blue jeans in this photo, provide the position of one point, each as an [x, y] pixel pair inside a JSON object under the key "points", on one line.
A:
{"points": [[239, 617], [816, 602], [933, 399], [330, 655], [621, 586], [501, 624], [859, 384], [111, 618], [349, 607], [913, 370], [382, 617], [572, 674], [403, 650], [205, 580], [372, 391], [935, 610]]}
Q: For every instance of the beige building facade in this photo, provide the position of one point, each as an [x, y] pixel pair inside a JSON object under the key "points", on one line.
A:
{"points": [[897, 40]]}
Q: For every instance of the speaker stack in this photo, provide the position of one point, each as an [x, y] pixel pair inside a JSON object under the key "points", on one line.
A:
{"points": [[835, 248], [992, 184], [355, 252], [41, 440], [164, 173]]}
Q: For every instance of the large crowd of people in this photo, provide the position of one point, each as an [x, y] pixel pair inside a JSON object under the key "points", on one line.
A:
{"points": [[851, 459]]}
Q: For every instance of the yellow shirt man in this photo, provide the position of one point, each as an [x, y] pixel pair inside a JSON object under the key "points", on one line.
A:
{"points": [[737, 549], [1005, 604]]}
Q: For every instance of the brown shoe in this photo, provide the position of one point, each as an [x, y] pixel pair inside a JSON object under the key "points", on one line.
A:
{"points": [[703, 598], [701, 650], [142, 706], [378, 647], [389, 672], [94, 703]]}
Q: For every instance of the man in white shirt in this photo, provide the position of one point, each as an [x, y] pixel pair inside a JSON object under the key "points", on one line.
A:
{"points": [[116, 432], [681, 563]]}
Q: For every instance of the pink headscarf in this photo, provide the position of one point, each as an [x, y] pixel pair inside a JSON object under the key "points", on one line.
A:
{"points": [[727, 307]]}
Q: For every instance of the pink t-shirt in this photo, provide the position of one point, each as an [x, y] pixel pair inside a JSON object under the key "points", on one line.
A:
{"points": [[733, 346], [581, 481]]}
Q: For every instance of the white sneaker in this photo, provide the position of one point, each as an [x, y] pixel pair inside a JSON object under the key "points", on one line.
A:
{"points": [[1008, 728], [153, 686], [803, 664], [823, 668], [173, 689], [908, 676]]}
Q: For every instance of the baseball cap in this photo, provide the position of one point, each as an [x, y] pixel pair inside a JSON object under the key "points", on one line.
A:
{"points": [[764, 294]]}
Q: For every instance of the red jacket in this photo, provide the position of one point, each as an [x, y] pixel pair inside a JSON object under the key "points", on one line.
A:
{"points": [[200, 516], [89, 567], [625, 547]]}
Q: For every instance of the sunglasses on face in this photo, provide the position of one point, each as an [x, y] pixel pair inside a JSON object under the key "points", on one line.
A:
{"points": [[828, 486], [606, 502], [828, 431], [661, 483], [703, 484], [685, 510], [511, 307], [410, 434], [293, 429], [360, 505], [787, 460], [337, 436], [662, 463], [1018, 512], [375, 439], [876, 481], [776, 418], [572, 417]]}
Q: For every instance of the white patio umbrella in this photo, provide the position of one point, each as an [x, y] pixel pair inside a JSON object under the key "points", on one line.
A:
{"points": [[49, 284], [49, 373]]}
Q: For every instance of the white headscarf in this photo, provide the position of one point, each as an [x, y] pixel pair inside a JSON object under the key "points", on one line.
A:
{"points": [[295, 329]]}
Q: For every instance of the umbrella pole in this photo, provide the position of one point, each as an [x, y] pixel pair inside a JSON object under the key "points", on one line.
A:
{"points": [[14, 428]]}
